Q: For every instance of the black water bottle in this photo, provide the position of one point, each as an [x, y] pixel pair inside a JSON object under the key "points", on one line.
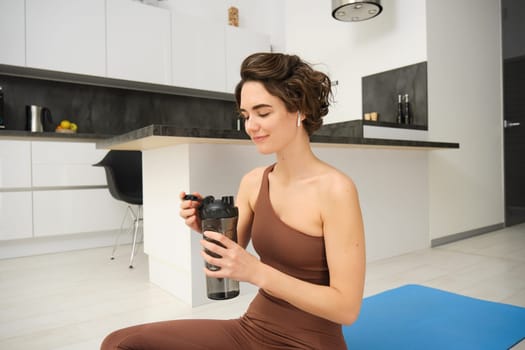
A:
{"points": [[219, 215]]}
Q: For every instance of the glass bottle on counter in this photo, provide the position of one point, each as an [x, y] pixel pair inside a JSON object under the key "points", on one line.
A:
{"points": [[408, 117], [2, 123], [399, 118]]}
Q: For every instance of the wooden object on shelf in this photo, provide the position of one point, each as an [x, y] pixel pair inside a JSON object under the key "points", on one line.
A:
{"points": [[233, 16]]}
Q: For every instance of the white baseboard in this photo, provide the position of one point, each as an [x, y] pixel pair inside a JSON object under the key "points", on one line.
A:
{"points": [[436, 242], [63, 243]]}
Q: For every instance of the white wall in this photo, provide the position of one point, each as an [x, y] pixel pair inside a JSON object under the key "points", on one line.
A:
{"points": [[465, 105], [393, 193], [349, 51], [463, 48]]}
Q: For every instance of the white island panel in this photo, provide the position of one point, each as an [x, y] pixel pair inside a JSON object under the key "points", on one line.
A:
{"points": [[167, 240]]}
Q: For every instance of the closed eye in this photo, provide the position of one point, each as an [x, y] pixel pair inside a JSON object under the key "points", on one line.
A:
{"points": [[246, 117], [262, 110]]}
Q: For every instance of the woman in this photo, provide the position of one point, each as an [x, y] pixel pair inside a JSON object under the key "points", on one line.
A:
{"points": [[303, 217]]}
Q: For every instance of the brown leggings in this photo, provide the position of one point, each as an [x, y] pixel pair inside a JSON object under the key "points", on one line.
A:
{"points": [[196, 334], [179, 334], [266, 326]]}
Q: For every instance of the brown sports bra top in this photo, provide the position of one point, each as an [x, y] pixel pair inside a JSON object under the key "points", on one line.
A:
{"points": [[283, 247]]}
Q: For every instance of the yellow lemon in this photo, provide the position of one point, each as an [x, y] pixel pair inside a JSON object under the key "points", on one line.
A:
{"points": [[73, 127], [65, 124]]}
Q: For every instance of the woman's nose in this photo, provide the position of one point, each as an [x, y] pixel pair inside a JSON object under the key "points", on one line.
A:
{"points": [[251, 125]]}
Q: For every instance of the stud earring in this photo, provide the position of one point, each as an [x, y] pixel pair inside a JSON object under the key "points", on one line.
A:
{"points": [[298, 119]]}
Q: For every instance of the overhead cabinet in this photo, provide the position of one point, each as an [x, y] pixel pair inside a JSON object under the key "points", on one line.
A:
{"points": [[207, 55], [138, 42], [67, 36], [127, 40], [198, 53], [12, 32]]}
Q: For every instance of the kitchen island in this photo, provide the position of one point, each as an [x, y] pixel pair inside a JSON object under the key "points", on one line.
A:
{"points": [[391, 176]]}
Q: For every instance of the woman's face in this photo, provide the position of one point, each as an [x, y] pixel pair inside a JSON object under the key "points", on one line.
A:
{"points": [[270, 126]]}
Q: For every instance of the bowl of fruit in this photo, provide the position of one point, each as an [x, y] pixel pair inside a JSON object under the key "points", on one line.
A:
{"points": [[66, 127]]}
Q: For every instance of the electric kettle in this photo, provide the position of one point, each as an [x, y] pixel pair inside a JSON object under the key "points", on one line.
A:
{"points": [[38, 118]]}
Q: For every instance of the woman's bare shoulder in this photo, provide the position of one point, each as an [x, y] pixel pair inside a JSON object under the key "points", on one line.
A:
{"points": [[254, 176], [335, 183], [251, 183]]}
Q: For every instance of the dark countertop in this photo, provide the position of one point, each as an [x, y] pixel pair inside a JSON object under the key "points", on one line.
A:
{"points": [[50, 136], [155, 136]]}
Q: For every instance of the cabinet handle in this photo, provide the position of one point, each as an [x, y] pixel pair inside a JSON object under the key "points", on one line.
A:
{"points": [[507, 124]]}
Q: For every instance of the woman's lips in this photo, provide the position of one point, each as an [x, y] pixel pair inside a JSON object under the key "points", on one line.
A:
{"points": [[258, 139]]}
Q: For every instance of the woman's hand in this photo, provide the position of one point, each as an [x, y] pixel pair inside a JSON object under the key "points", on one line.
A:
{"points": [[235, 262], [189, 211]]}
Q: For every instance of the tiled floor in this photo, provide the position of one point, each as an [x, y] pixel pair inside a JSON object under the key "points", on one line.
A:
{"points": [[72, 300]]}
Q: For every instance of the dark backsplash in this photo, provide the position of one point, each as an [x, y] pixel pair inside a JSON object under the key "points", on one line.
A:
{"points": [[380, 92], [114, 110], [110, 111]]}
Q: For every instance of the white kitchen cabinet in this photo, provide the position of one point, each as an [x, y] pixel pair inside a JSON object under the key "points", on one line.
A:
{"points": [[138, 42], [66, 164], [15, 192], [65, 35], [198, 52], [75, 211], [64, 201], [16, 219], [240, 43], [15, 164], [52, 188], [12, 32]]}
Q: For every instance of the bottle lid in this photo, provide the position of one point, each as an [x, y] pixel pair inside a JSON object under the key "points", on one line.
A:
{"points": [[212, 208]]}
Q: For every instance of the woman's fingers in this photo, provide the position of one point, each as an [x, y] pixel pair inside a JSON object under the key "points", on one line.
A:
{"points": [[233, 260], [190, 220], [219, 237], [186, 213], [188, 207], [218, 244], [194, 197]]}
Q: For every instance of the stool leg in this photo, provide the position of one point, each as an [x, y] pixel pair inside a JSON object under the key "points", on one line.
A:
{"points": [[117, 239], [136, 221]]}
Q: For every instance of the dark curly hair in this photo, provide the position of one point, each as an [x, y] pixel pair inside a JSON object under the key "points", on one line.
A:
{"points": [[292, 80]]}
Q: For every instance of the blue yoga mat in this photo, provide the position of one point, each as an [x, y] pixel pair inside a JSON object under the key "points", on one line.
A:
{"points": [[418, 317]]}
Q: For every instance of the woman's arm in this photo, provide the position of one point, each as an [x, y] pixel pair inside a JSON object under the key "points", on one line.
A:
{"points": [[244, 203], [343, 232], [345, 251]]}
